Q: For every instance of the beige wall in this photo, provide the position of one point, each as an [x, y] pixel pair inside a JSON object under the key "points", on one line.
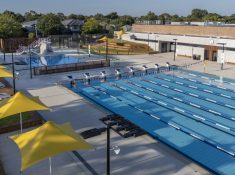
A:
{"points": [[186, 30]]}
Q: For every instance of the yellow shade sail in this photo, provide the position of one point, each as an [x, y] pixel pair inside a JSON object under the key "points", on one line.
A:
{"points": [[5, 73], [46, 141], [103, 38], [121, 32], [19, 103], [2, 67]]}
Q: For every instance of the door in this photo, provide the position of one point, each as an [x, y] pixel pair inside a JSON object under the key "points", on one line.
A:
{"points": [[206, 54], [164, 47], [214, 55], [210, 53]]}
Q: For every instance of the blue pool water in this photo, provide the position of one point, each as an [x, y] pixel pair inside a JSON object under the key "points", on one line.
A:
{"points": [[192, 114], [57, 59]]}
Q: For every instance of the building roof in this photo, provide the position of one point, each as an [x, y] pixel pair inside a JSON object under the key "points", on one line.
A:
{"points": [[72, 22], [30, 23], [205, 31]]}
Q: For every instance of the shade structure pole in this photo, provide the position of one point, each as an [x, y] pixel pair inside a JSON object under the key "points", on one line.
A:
{"points": [[50, 169], [21, 123]]}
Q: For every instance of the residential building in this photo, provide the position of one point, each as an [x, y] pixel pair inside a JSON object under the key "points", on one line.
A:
{"points": [[73, 25], [30, 26]]}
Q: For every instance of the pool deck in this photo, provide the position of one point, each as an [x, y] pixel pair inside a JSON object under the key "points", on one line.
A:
{"points": [[143, 154]]}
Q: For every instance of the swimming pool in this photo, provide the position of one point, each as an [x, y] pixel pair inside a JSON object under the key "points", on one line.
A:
{"points": [[57, 59], [194, 115]]}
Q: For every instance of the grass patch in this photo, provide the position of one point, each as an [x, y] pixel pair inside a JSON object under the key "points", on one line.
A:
{"points": [[14, 119], [127, 48]]}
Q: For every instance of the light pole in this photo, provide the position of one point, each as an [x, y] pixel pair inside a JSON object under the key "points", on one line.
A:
{"points": [[108, 150], [4, 50], [116, 150], [78, 43], [175, 48], [222, 58], [13, 66], [13, 70], [106, 49], [148, 42], [156, 42], [36, 31]]}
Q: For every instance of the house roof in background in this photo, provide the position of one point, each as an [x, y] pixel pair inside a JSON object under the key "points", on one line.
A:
{"points": [[30, 23], [72, 22]]}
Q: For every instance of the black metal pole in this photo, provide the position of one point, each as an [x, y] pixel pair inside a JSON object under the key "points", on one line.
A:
{"points": [[222, 64], [78, 45], [175, 50], [13, 72], [4, 50], [30, 63], [106, 57], [4, 56], [148, 42], [155, 43], [108, 150]]}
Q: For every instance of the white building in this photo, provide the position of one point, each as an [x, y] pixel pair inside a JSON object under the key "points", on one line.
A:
{"points": [[204, 42]]}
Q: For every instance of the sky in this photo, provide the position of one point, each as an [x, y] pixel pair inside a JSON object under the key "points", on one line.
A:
{"points": [[123, 7]]}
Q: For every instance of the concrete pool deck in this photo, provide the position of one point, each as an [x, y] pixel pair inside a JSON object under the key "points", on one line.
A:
{"points": [[143, 154]]}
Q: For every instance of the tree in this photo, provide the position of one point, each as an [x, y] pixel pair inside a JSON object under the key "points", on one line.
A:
{"points": [[32, 15], [81, 17], [61, 16], [150, 16], [126, 20], [91, 26], [72, 16], [99, 16], [117, 24], [20, 18], [31, 35], [112, 15], [164, 17], [7, 12], [50, 24], [198, 13], [9, 27], [229, 19], [212, 17]]}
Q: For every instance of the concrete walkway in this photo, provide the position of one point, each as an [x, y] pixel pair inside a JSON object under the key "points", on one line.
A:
{"points": [[63, 164], [138, 156]]}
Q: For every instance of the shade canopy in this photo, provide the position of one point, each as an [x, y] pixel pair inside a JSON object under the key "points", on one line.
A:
{"points": [[46, 141], [2, 67], [105, 38], [5, 73], [121, 32], [19, 103]]}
